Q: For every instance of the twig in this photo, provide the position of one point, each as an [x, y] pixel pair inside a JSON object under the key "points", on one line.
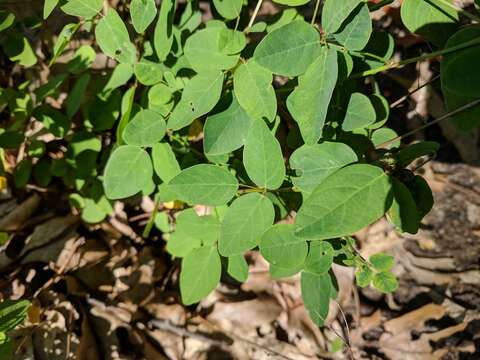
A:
{"points": [[446, 116], [166, 325], [406, 96], [402, 63], [254, 15], [315, 11]]}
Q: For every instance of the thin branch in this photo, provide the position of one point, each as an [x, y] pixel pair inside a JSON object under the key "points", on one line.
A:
{"points": [[402, 63], [254, 15], [315, 11], [436, 121], [406, 96]]}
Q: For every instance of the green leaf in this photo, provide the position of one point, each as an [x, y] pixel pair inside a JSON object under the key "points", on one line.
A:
{"points": [[335, 12], [383, 135], [316, 291], [200, 96], [226, 131], [42, 173], [164, 162], [422, 194], [290, 49], [280, 247], [180, 244], [348, 200], [23, 170], [146, 129], [237, 268], [229, 9], [244, 223], [204, 52], [200, 274], [6, 19], [262, 157], [82, 59], [414, 151], [128, 170], [192, 231], [459, 76], [314, 163], [63, 39], [48, 7], [95, 211], [284, 18], [468, 119], [162, 223], [18, 49], [163, 35], [360, 113], [364, 275], [56, 122], [77, 94], [204, 184], [278, 272], [308, 103], [403, 213], [143, 12], [291, 2], [382, 110], [254, 91], [355, 32], [112, 37], [320, 257], [50, 88], [12, 314], [148, 73], [105, 119], [82, 8], [431, 19], [382, 262], [120, 75], [385, 282]]}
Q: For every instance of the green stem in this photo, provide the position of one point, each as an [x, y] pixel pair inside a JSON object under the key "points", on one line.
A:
{"points": [[436, 121], [151, 221], [315, 12], [459, 10], [399, 64], [254, 15]]}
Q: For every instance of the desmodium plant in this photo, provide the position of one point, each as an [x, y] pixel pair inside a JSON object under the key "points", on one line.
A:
{"points": [[277, 127]]}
